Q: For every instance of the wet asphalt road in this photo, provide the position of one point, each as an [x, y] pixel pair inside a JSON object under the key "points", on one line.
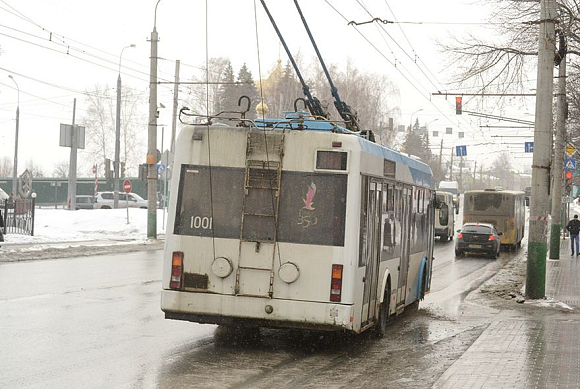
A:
{"points": [[95, 322]]}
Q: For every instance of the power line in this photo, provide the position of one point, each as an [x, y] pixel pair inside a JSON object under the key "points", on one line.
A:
{"points": [[472, 131]]}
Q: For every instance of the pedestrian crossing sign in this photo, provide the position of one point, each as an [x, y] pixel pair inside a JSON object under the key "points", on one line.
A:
{"points": [[570, 164]]}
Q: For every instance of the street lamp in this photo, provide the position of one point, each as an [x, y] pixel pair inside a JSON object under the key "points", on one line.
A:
{"points": [[419, 110], [14, 172], [434, 120], [118, 135], [152, 136]]}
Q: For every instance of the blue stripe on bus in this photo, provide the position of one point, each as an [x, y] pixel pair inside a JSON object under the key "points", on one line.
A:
{"points": [[420, 172], [420, 279]]}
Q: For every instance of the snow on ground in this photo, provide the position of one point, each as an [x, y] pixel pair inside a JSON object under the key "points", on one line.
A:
{"points": [[60, 225]]}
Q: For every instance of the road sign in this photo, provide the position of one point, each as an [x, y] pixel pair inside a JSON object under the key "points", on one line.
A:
{"points": [[570, 149], [127, 186], [569, 163], [529, 147], [461, 151]]}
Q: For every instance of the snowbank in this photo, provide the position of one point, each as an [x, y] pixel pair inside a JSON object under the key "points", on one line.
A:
{"points": [[59, 225]]}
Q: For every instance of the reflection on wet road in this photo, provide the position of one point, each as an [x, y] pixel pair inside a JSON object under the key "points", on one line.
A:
{"points": [[96, 322]]}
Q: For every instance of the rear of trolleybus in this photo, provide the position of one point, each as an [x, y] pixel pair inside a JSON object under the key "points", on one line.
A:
{"points": [[226, 260], [504, 209]]}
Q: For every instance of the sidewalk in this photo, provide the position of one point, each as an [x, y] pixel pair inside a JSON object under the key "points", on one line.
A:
{"points": [[528, 350]]}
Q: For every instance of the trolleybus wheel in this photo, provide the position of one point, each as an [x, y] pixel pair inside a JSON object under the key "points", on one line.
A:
{"points": [[384, 313]]}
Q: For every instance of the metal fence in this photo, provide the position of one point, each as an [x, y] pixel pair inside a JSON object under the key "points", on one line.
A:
{"points": [[18, 216]]}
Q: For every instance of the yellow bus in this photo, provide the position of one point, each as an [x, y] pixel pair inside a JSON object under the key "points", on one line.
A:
{"points": [[505, 209]]}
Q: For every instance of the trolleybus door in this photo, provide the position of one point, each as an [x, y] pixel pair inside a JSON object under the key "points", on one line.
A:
{"points": [[372, 251], [406, 198]]}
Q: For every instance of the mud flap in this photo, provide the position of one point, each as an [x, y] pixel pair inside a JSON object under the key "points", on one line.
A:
{"points": [[420, 278]]}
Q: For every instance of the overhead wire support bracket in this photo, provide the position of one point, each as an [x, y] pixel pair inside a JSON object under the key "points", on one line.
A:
{"points": [[352, 22]]}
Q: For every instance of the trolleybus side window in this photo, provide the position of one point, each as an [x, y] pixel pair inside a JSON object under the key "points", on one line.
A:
{"points": [[363, 221], [389, 238]]}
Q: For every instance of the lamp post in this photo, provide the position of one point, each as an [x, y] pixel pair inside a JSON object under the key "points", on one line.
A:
{"points": [[434, 120], [419, 110], [15, 171], [152, 136], [118, 135]]}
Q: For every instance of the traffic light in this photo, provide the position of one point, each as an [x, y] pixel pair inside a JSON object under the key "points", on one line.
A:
{"points": [[458, 107], [568, 175]]}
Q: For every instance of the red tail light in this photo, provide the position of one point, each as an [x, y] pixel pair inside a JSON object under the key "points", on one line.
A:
{"points": [[460, 236], [491, 237], [176, 270], [336, 283]]}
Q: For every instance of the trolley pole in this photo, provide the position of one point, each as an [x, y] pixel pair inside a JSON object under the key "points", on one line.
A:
{"points": [[560, 146], [152, 137], [537, 243]]}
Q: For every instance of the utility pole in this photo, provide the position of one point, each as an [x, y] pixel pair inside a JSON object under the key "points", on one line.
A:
{"points": [[117, 141], [152, 137], [441, 159], [461, 173], [72, 172], [117, 162], [451, 166], [15, 169], [537, 243], [559, 154], [175, 96]]}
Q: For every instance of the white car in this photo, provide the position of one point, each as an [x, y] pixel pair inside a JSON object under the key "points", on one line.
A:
{"points": [[105, 200], [3, 195]]}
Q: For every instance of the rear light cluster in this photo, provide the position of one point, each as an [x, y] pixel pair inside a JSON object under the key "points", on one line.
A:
{"points": [[491, 237], [176, 270], [460, 236], [336, 283]]}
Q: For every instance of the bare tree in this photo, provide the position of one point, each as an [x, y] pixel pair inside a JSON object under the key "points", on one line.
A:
{"points": [[373, 96], [502, 169], [34, 168], [6, 166], [61, 169], [203, 98], [100, 124], [499, 59]]}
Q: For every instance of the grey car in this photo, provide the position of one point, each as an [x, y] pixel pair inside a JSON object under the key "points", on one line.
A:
{"points": [[85, 202]]}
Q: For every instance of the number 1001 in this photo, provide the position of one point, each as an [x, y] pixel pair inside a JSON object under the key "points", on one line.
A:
{"points": [[201, 222]]}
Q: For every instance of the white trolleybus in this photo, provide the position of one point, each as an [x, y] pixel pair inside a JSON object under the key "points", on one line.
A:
{"points": [[295, 223]]}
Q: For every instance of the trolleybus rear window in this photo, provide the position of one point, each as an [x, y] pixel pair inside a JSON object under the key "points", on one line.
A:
{"points": [[312, 206], [488, 203]]}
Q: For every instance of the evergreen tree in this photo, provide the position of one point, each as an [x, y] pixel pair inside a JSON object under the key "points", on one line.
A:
{"points": [[228, 94], [290, 88], [248, 88], [413, 144]]}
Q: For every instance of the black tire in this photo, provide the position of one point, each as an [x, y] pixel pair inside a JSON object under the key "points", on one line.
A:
{"points": [[458, 253], [381, 328], [105, 207]]}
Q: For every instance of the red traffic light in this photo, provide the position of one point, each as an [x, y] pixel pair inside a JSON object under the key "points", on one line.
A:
{"points": [[458, 103], [568, 175]]}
